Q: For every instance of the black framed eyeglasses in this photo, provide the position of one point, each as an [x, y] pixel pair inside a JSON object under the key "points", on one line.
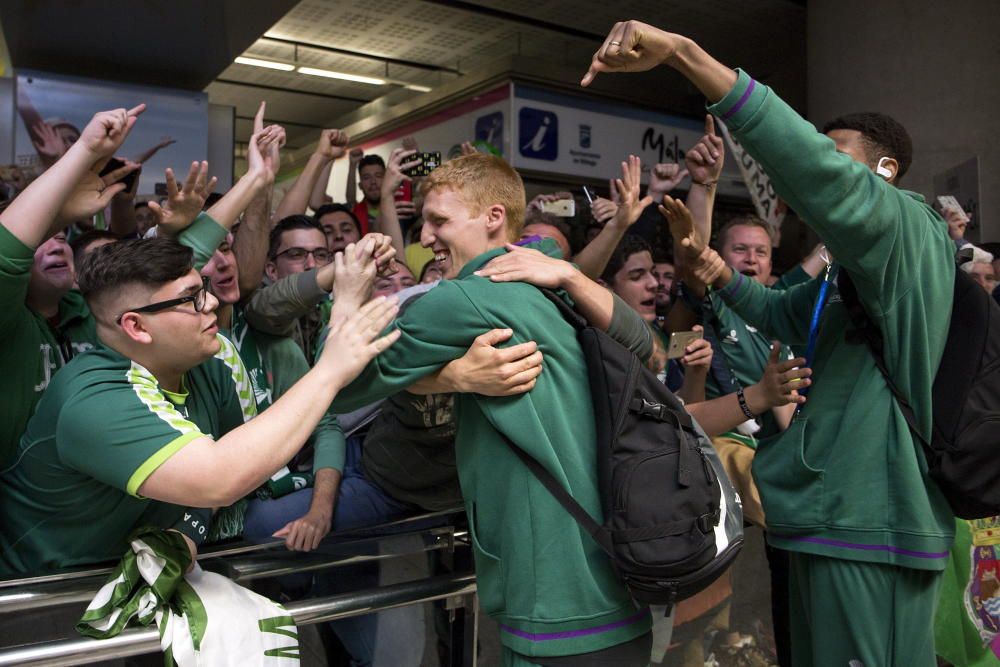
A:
{"points": [[321, 255], [198, 298]]}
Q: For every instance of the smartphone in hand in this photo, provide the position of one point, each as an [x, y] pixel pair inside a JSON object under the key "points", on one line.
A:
{"points": [[679, 340], [562, 208], [429, 162], [128, 179]]}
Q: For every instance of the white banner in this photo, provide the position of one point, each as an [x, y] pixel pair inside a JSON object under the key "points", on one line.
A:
{"points": [[769, 207]]}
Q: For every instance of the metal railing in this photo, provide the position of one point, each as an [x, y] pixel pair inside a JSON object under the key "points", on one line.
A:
{"points": [[84, 650], [241, 565]]}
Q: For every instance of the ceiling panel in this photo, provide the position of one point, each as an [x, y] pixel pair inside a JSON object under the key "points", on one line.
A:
{"points": [[765, 36]]}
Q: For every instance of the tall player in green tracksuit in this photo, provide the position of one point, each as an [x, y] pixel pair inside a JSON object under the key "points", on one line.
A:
{"points": [[544, 580], [845, 488]]}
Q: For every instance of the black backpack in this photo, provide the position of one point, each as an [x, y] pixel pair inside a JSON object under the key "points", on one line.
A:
{"points": [[963, 447], [672, 521]]}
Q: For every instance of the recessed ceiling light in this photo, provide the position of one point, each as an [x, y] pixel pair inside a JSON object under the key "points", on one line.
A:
{"points": [[340, 75], [419, 89], [269, 64]]}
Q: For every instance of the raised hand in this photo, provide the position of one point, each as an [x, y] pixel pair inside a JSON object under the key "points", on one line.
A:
{"points": [[274, 143], [782, 380], [529, 266], [384, 253], [354, 339], [183, 205], [958, 221], [129, 194], [632, 46], [536, 203], [603, 209], [107, 130], [394, 167], [93, 193], [49, 145], [269, 140], [260, 158], [695, 259], [704, 160], [613, 194], [627, 187], [353, 276], [682, 227], [663, 178], [332, 144], [354, 157]]}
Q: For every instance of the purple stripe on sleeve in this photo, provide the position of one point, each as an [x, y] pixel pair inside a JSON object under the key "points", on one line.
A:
{"points": [[740, 102], [868, 547], [569, 634], [529, 239], [734, 289]]}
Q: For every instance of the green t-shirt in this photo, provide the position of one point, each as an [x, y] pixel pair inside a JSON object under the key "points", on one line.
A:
{"points": [[102, 427], [34, 348], [746, 353]]}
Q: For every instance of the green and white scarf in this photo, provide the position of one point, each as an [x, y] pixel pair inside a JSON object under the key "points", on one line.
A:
{"points": [[203, 618]]}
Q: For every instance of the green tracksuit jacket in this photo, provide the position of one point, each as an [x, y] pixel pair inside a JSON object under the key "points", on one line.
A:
{"points": [[540, 576], [847, 480]]}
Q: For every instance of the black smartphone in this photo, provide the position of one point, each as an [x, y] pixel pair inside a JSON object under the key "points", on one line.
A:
{"points": [[128, 179], [429, 162]]}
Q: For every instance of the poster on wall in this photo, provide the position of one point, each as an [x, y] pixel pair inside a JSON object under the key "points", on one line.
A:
{"points": [[53, 109]]}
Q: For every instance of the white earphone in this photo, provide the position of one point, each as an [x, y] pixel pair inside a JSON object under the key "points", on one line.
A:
{"points": [[883, 171]]}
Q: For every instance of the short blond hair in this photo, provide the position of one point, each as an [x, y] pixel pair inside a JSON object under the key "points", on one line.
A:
{"points": [[481, 181]]}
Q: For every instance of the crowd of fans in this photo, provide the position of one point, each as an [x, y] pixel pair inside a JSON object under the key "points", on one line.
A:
{"points": [[229, 366]]}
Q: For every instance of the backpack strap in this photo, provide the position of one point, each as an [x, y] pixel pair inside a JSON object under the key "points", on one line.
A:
{"points": [[569, 314], [552, 485], [873, 338]]}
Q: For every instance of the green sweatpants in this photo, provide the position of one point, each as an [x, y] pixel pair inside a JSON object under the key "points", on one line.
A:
{"points": [[850, 613]]}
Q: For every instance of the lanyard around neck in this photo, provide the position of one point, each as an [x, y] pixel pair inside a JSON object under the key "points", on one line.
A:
{"points": [[817, 313]]}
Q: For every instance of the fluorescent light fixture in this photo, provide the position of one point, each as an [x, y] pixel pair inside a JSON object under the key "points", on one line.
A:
{"points": [[340, 75], [419, 89], [269, 64]]}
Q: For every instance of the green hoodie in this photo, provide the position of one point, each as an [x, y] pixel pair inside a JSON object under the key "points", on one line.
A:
{"points": [[847, 480], [544, 580]]}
